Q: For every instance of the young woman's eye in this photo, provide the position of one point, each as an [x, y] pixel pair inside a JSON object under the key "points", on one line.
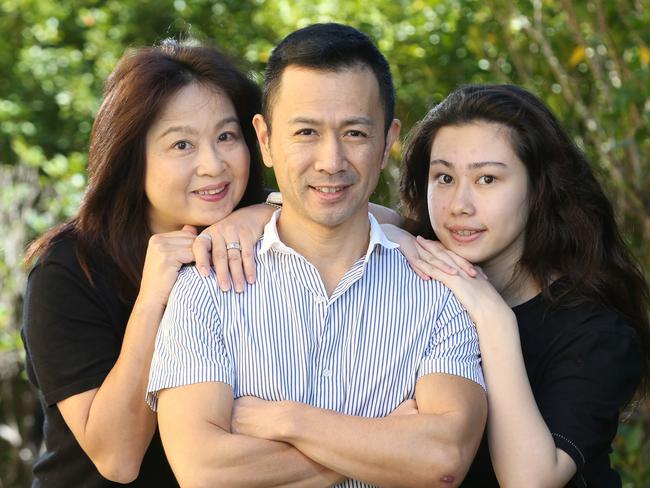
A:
{"points": [[486, 180], [444, 179]]}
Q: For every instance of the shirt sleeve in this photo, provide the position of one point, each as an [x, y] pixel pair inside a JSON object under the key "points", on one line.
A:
{"points": [[593, 375], [453, 347], [70, 337], [189, 345]]}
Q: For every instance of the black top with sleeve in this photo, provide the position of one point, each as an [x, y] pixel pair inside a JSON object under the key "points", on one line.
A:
{"points": [[73, 333], [584, 363]]}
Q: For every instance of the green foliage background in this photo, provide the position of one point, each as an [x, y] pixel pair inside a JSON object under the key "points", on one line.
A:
{"points": [[589, 60]]}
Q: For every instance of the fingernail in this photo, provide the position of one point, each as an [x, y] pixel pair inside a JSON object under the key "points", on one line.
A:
{"points": [[224, 287], [250, 280], [205, 271]]}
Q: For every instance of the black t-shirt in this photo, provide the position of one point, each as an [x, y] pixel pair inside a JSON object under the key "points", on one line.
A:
{"points": [[584, 363], [73, 333]]}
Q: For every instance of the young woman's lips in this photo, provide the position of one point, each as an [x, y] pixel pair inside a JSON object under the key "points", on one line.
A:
{"points": [[212, 193], [465, 235]]}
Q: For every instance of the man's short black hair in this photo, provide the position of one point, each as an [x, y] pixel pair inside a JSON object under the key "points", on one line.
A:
{"points": [[328, 47]]}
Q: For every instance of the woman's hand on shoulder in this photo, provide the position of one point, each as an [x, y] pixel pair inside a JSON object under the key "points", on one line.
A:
{"points": [[424, 255], [228, 245], [166, 253]]}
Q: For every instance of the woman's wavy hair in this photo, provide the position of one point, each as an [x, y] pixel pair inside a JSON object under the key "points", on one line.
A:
{"points": [[112, 217], [571, 229]]}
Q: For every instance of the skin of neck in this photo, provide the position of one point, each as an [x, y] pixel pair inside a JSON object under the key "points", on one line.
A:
{"points": [[515, 288], [332, 250]]}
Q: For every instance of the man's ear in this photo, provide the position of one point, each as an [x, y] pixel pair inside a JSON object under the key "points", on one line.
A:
{"points": [[391, 138], [263, 134]]}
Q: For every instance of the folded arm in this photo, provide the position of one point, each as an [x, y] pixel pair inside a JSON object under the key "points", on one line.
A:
{"points": [[434, 448], [195, 429]]}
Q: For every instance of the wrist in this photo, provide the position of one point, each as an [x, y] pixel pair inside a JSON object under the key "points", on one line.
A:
{"points": [[149, 302], [287, 420], [496, 323], [274, 199]]}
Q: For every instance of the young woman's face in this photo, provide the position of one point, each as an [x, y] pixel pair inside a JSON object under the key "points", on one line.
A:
{"points": [[197, 161], [477, 194]]}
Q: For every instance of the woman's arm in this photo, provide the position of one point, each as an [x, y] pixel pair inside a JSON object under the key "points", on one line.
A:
{"points": [[522, 448], [112, 423], [245, 226]]}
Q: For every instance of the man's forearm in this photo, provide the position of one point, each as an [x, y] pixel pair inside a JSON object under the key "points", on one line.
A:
{"points": [[194, 421], [413, 450], [244, 461], [410, 450]]}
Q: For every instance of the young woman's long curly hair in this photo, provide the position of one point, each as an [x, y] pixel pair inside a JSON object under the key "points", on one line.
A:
{"points": [[571, 231]]}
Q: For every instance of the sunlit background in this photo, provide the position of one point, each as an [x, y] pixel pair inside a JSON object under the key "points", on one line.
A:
{"points": [[589, 60]]}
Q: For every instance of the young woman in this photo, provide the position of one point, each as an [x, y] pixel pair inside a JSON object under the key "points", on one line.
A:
{"points": [[172, 149], [560, 307]]}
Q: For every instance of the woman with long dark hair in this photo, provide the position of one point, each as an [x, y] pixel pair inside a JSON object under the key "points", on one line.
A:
{"points": [[172, 149], [560, 306]]}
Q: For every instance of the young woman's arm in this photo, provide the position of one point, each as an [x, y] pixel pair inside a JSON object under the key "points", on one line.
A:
{"points": [[522, 448], [112, 423]]}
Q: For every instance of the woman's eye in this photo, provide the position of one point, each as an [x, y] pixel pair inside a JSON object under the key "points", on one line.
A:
{"points": [[486, 180], [182, 145], [444, 179]]}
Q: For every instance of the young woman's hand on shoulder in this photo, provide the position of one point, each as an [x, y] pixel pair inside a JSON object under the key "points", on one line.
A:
{"points": [[468, 282]]}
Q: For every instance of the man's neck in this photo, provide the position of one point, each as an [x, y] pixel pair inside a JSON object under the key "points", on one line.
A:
{"points": [[332, 250]]}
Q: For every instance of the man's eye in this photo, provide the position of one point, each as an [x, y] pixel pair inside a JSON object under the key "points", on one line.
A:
{"points": [[356, 133], [306, 132]]}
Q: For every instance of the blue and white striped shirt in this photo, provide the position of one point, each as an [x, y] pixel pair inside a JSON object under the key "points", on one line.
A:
{"points": [[359, 351]]}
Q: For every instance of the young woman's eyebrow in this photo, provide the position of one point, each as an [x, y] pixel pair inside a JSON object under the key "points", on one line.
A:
{"points": [[477, 165]]}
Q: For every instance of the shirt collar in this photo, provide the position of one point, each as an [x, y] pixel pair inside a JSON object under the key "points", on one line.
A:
{"points": [[271, 238]]}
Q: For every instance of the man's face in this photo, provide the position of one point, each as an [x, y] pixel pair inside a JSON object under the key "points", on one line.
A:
{"points": [[327, 144]]}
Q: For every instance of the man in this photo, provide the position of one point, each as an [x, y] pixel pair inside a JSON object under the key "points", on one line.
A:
{"points": [[338, 331]]}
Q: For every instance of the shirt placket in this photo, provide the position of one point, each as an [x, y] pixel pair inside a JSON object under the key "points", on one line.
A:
{"points": [[328, 385]]}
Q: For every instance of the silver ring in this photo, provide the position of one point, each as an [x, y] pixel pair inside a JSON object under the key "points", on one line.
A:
{"points": [[233, 245], [207, 237]]}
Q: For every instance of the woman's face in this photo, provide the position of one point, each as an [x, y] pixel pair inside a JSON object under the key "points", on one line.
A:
{"points": [[197, 161], [477, 194]]}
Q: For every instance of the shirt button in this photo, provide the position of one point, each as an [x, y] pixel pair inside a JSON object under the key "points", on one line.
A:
{"points": [[327, 373], [319, 299]]}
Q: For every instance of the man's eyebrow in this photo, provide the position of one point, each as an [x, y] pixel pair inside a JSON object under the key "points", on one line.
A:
{"points": [[350, 121], [476, 165], [186, 129], [358, 121]]}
